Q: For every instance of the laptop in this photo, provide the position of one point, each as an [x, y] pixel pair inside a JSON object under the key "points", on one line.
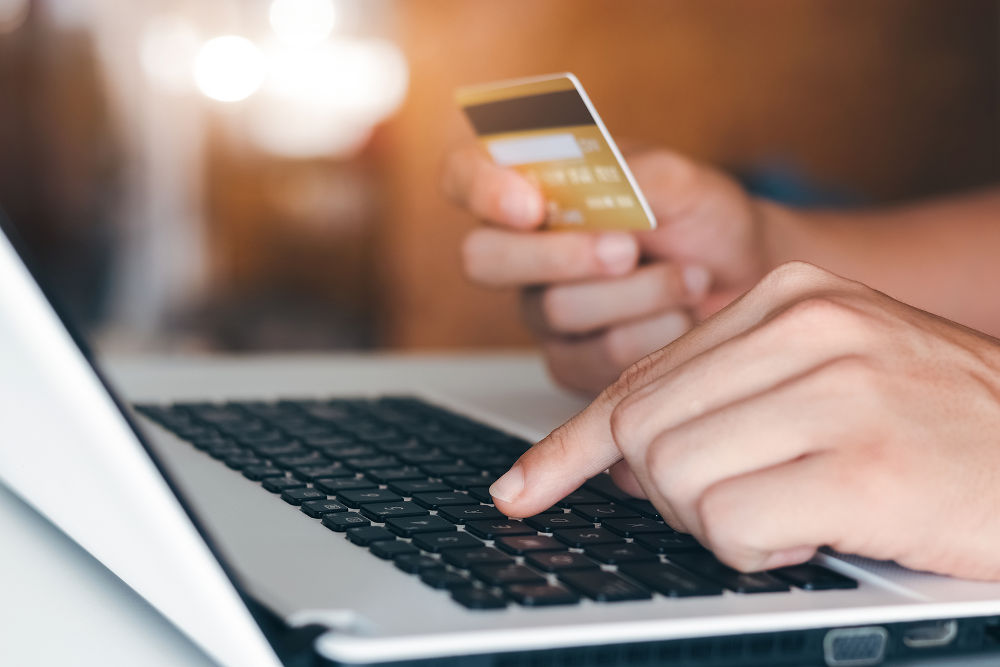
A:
{"points": [[358, 530]]}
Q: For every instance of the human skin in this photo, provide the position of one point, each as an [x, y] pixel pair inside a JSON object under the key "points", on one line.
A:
{"points": [[599, 302], [812, 411]]}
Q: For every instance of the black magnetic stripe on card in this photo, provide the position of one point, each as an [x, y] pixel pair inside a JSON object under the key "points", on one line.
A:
{"points": [[534, 112]]}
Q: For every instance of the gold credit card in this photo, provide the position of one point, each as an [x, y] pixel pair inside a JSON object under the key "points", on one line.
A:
{"points": [[547, 130]]}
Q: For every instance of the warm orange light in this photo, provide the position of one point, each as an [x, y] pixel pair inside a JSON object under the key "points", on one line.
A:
{"points": [[229, 68]]}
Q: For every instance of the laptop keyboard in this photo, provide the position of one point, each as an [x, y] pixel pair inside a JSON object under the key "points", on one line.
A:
{"points": [[409, 481]]}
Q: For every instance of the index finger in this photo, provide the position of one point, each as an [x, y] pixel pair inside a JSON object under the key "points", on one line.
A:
{"points": [[490, 192], [559, 464]]}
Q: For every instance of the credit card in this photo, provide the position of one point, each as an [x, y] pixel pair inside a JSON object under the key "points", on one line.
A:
{"points": [[547, 130]]}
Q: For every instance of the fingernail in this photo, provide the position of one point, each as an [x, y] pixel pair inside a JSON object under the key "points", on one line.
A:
{"points": [[696, 280], [508, 487], [787, 557], [520, 207], [617, 252]]}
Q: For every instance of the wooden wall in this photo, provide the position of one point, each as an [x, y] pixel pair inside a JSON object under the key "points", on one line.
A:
{"points": [[886, 98]]}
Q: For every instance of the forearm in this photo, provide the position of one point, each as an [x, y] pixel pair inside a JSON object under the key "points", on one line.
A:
{"points": [[942, 256]]}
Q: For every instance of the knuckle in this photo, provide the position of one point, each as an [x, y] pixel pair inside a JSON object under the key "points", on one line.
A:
{"points": [[635, 375], [667, 286], [475, 251], [570, 252], [485, 195], [724, 529], [659, 461], [820, 313], [619, 348], [558, 310], [625, 418], [792, 276]]}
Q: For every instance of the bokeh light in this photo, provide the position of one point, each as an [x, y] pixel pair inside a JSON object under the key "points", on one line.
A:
{"points": [[363, 79], [326, 99], [302, 22], [229, 68]]}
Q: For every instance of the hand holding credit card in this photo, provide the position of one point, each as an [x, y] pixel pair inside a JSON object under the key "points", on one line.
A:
{"points": [[547, 130]]}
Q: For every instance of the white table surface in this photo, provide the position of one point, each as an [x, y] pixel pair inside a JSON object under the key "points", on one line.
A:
{"points": [[61, 606]]}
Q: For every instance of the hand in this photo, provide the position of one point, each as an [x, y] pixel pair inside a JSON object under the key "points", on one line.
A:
{"points": [[813, 411], [599, 302]]}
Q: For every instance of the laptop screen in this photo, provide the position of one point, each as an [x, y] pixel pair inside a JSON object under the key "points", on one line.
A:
{"points": [[67, 435]]}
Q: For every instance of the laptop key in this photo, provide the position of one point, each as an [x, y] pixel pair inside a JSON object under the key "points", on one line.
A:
{"points": [[706, 565], [416, 563], [300, 495], [615, 554], [371, 462], [311, 473], [383, 511], [522, 544], [280, 484], [603, 485], [550, 522], [464, 482], [642, 507], [389, 550], [438, 499], [422, 456], [670, 580], [581, 537], [366, 535], [281, 449], [436, 542], [541, 595], [499, 575], [386, 475], [597, 513], [444, 579], [295, 461], [257, 473], [556, 561], [581, 497], [489, 530], [478, 598], [481, 493], [408, 487], [240, 461], [320, 508], [466, 558], [603, 586], [813, 577], [442, 469], [351, 451], [636, 526], [341, 522], [335, 486], [668, 543], [358, 497], [464, 513], [413, 525]]}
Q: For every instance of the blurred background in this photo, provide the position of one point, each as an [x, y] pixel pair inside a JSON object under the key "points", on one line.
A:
{"points": [[262, 174]]}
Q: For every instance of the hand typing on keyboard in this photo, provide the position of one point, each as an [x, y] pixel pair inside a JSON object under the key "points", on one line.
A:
{"points": [[813, 411]]}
